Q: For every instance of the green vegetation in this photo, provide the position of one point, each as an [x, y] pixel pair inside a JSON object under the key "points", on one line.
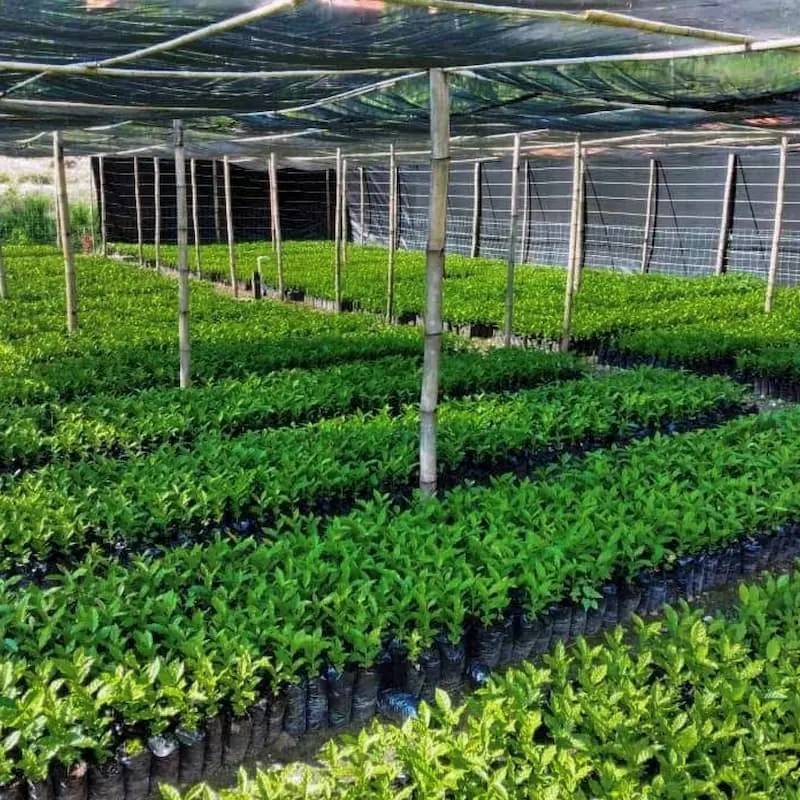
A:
{"points": [[691, 708], [30, 219]]}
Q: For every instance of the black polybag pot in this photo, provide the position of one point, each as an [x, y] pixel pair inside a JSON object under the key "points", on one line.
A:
{"points": [[258, 728], [683, 574], [71, 783], [629, 598], [397, 706], [13, 791], [237, 740], [136, 774], [430, 663], [710, 571], [489, 644], [165, 766], [751, 554], [295, 719], [545, 634], [106, 781], [526, 632], [39, 790], [192, 745], [698, 576], [365, 693], [212, 758], [317, 703], [413, 679], [478, 674], [340, 696], [595, 617], [507, 648], [577, 625], [275, 715], [562, 620], [453, 657]]}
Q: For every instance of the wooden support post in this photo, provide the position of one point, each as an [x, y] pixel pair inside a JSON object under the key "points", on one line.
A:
{"points": [[215, 192], [644, 265], [92, 225], [391, 240], [437, 232], [337, 236], [580, 231], [345, 215], [137, 191], [362, 189], [276, 219], [526, 211], [3, 279], [725, 222], [195, 217], [58, 216], [569, 294], [184, 341], [477, 197], [777, 230], [328, 228], [512, 245], [103, 211], [66, 234], [157, 200], [226, 166]]}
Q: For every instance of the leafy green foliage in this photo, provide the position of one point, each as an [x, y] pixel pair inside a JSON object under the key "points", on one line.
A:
{"points": [[690, 709], [330, 464]]}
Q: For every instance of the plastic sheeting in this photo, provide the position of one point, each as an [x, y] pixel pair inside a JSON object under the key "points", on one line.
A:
{"points": [[112, 73]]}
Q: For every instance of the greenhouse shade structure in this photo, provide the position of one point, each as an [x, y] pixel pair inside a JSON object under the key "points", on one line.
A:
{"points": [[112, 75]]}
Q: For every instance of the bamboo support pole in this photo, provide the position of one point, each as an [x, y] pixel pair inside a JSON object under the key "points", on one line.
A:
{"points": [[345, 215], [276, 219], [337, 236], [477, 175], [184, 341], [215, 200], [569, 294], [392, 235], [526, 211], [103, 210], [92, 224], [580, 231], [437, 231], [644, 265], [3, 278], [66, 234], [725, 222], [157, 200], [226, 168], [195, 217], [362, 190], [328, 227], [58, 216], [774, 258], [513, 230], [137, 192]]}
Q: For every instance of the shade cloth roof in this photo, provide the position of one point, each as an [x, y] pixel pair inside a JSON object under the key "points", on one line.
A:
{"points": [[310, 75]]}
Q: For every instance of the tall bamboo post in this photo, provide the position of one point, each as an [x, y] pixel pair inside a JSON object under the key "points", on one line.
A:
{"points": [[103, 211], [362, 193], [569, 294], [437, 231], [513, 230], [337, 236], [392, 236], [526, 210], [58, 216], [725, 222], [157, 200], [580, 230], [774, 258], [328, 230], [276, 218], [345, 215], [137, 192], [3, 279], [92, 224], [215, 193], [477, 197], [195, 217], [184, 341], [66, 233], [226, 168], [644, 265]]}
